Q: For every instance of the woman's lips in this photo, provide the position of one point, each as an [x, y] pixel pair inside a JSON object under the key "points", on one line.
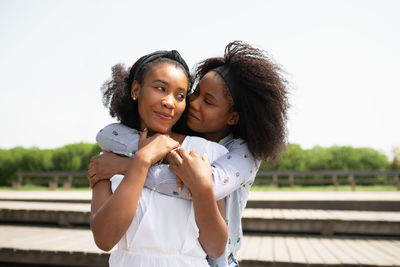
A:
{"points": [[164, 116], [191, 115]]}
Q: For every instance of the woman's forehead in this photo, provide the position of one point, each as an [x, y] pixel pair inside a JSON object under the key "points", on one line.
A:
{"points": [[166, 72]]}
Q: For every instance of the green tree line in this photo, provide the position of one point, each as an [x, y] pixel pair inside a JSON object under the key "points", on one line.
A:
{"points": [[76, 157], [73, 157], [330, 158]]}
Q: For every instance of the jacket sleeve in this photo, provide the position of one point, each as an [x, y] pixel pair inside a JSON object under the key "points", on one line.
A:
{"points": [[236, 169], [231, 171]]}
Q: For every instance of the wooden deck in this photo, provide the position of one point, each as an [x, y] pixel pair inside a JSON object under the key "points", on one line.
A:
{"points": [[318, 251], [52, 228], [325, 222], [75, 247]]}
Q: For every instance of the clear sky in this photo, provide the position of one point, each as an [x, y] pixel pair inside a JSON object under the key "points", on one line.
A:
{"points": [[342, 58]]}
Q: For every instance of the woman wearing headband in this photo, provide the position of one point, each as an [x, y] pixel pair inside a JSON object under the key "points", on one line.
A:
{"points": [[152, 229], [247, 84]]}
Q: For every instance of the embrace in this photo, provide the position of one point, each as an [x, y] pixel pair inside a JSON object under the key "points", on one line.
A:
{"points": [[175, 173]]}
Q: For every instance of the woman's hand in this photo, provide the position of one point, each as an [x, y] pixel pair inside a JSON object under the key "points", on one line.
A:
{"points": [[156, 147], [195, 172], [106, 165]]}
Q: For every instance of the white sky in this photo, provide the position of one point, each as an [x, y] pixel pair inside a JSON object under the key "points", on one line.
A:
{"points": [[342, 58]]}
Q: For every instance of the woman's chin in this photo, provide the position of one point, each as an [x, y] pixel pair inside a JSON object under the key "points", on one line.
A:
{"points": [[194, 127]]}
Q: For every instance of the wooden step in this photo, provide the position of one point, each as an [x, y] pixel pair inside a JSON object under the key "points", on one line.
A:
{"points": [[276, 250], [75, 247], [47, 196], [29, 212], [49, 245], [332, 200], [325, 222]]}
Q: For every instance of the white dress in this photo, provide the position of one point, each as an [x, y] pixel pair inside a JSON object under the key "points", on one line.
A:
{"points": [[164, 231]]}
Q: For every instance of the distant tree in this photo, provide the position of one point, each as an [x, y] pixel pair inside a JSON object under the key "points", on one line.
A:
{"points": [[396, 158], [331, 158]]}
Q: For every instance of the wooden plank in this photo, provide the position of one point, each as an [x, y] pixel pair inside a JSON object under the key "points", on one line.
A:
{"points": [[361, 246], [295, 252], [326, 255], [266, 252], [390, 248], [266, 213], [32, 205], [276, 213], [360, 258], [379, 249], [47, 238], [342, 255], [250, 248], [281, 253], [309, 252]]}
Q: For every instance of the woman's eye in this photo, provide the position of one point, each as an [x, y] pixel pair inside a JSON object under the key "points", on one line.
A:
{"points": [[181, 96], [160, 88], [208, 102]]}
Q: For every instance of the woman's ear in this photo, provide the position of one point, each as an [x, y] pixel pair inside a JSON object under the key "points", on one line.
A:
{"points": [[135, 90], [233, 118]]}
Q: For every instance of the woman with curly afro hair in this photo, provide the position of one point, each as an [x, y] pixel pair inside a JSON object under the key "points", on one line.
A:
{"points": [[240, 101]]}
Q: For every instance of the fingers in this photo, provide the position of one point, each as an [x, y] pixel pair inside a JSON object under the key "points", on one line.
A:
{"points": [[142, 137], [91, 172], [205, 158], [184, 154], [93, 181], [93, 159], [189, 192], [174, 158], [179, 183]]}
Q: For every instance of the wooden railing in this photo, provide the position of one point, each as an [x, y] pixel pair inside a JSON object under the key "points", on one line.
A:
{"points": [[334, 178], [51, 178], [275, 178]]}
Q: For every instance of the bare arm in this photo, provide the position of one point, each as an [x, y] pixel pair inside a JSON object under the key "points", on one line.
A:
{"points": [[196, 174], [105, 166], [112, 214]]}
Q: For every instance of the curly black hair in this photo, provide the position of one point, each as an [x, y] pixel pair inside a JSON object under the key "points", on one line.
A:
{"points": [[263, 94], [117, 92]]}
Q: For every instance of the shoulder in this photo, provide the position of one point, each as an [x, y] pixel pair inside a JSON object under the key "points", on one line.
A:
{"points": [[118, 128], [118, 138], [235, 144], [238, 148], [202, 146]]}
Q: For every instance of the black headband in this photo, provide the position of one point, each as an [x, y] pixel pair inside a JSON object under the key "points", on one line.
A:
{"points": [[173, 54], [230, 81]]}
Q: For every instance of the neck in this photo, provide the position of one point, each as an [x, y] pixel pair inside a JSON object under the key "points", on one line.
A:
{"points": [[215, 137], [176, 136]]}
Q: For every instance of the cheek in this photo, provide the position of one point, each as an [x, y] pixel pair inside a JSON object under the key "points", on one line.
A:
{"points": [[181, 108]]}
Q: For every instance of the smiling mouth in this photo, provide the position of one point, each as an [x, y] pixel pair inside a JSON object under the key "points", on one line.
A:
{"points": [[191, 115], [164, 116]]}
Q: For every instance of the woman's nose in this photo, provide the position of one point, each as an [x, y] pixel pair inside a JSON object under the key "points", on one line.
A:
{"points": [[168, 101], [194, 101]]}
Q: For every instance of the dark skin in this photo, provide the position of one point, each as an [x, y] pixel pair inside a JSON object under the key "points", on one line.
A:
{"points": [[107, 223]]}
